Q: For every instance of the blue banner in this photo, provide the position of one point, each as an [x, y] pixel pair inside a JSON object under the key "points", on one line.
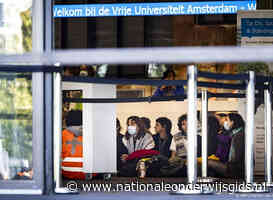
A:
{"points": [[257, 27], [153, 9]]}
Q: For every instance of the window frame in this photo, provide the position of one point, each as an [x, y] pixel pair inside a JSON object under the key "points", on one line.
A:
{"points": [[43, 92], [36, 185]]}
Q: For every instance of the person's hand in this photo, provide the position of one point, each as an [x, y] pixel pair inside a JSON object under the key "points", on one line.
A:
{"points": [[124, 157]]}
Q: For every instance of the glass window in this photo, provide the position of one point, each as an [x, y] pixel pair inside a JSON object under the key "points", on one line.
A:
{"points": [[16, 26], [153, 23], [156, 70], [15, 126]]}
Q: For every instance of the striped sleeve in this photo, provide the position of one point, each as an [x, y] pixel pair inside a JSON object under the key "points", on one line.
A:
{"points": [[149, 142]]}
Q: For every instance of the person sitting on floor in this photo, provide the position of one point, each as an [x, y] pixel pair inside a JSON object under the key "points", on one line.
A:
{"points": [[136, 140], [213, 130], [218, 144], [163, 136], [135, 137], [234, 166], [179, 147]]}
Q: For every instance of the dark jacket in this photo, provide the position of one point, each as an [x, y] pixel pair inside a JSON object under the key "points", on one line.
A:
{"points": [[121, 149], [236, 161], [163, 146]]}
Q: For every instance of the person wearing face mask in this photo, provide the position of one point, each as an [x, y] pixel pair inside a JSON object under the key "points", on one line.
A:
{"points": [[136, 138], [233, 166], [169, 90]]}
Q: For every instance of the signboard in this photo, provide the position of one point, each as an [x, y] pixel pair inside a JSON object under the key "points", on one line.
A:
{"points": [[256, 28], [153, 9]]}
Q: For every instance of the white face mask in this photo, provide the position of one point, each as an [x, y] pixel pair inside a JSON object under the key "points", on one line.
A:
{"points": [[226, 125], [132, 130]]}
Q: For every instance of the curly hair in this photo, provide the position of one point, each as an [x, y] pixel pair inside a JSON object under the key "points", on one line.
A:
{"points": [[180, 120]]}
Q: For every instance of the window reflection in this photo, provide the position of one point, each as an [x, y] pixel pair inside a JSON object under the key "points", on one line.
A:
{"points": [[15, 126], [15, 26]]}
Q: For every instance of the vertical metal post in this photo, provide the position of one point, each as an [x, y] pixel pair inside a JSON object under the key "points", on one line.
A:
{"points": [[48, 47], [249, 135], [57, 128], [204, 133], [192, 124], [268, 136]]}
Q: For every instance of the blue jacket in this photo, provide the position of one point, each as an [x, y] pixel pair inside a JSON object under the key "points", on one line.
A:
{"points": [[178, 91]]}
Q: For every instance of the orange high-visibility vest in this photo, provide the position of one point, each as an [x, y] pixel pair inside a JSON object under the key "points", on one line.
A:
{"points": [[72, 163]]}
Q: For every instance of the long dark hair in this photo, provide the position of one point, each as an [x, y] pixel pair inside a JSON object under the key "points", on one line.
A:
{"points": [[118, 126], [146, 121], [166, 123], [238, 121], [140, 125], [213, 128], [213, 125]]}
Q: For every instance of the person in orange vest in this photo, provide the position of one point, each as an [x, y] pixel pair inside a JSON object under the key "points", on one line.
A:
{"points": [[72, 152]]}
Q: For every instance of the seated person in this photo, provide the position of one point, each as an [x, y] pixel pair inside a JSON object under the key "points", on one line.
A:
{"points": [[169, 90], [121, 149], [179, 141], [218, 144], [163, 136], [213, 128], [233, 167], [179, 149], [135, 139], [179, 144]]}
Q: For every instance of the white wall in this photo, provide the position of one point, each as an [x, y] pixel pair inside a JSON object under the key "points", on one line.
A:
{"points": [[99, 127]]}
